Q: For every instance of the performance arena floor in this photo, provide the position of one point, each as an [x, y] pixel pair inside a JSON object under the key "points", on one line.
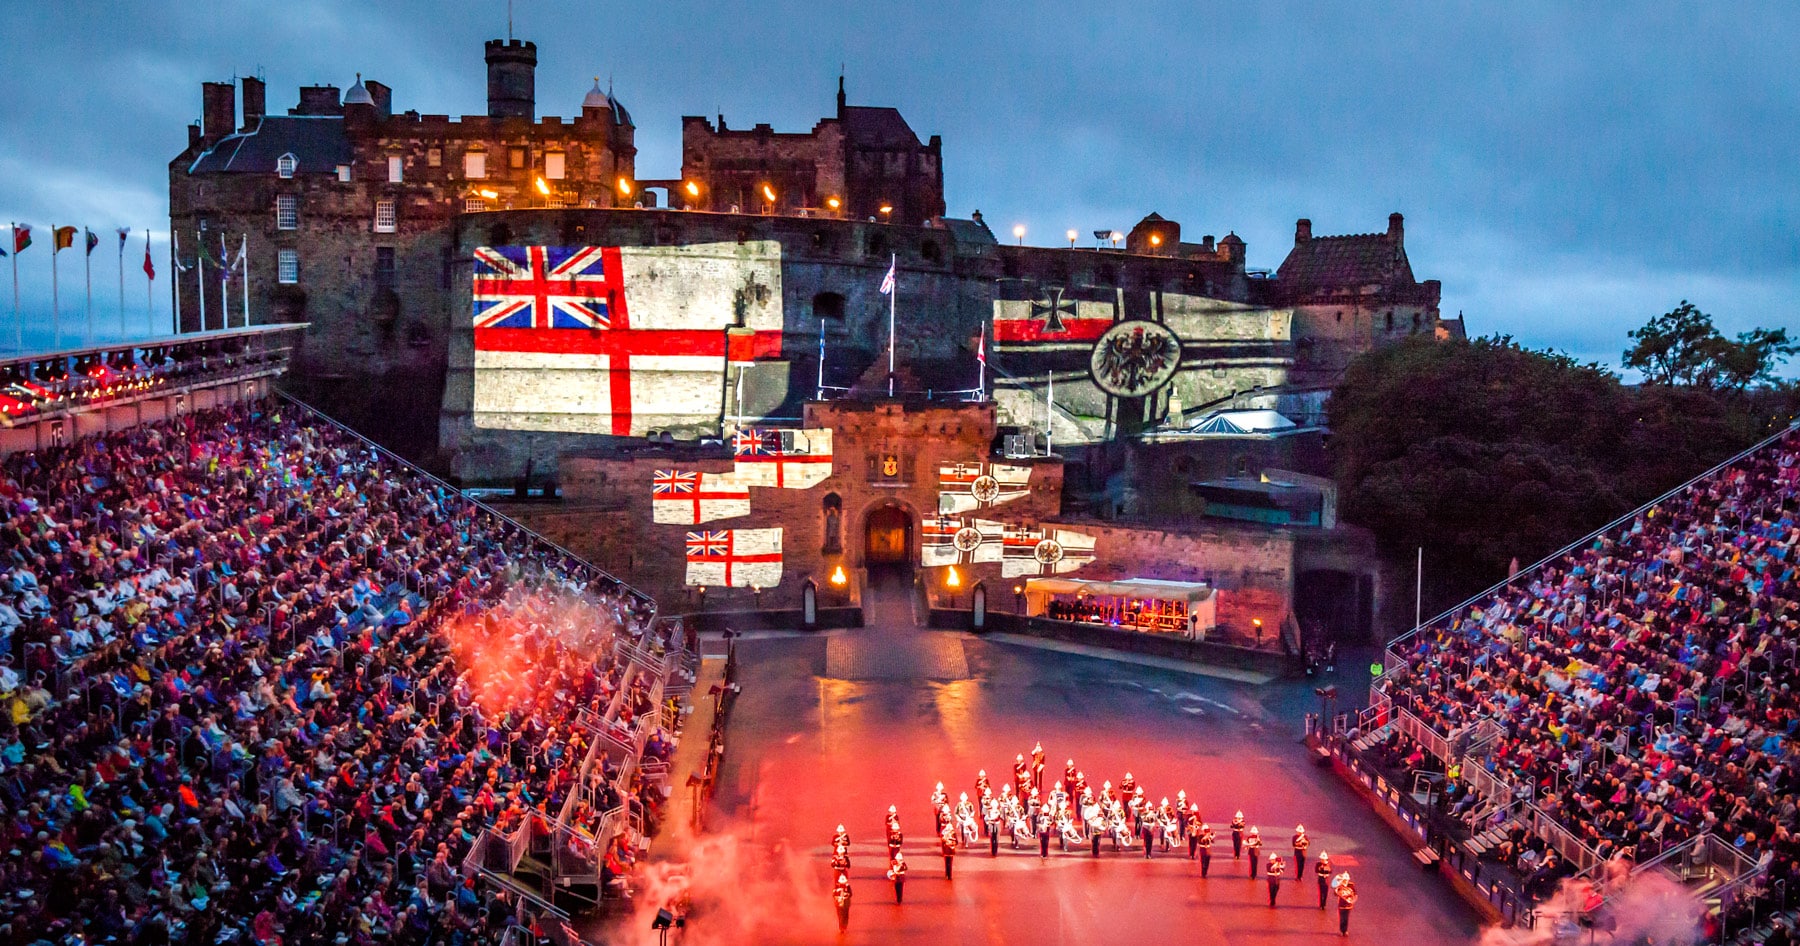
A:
{"points": [[836, 727]]}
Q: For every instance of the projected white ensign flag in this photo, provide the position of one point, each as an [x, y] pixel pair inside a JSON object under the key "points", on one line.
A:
{"points": [[734, 558], [618, 340]]}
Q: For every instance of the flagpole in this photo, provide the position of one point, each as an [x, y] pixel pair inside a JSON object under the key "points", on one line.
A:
{"points": [[55, 299], [149, 293], [819, 394], [200, 274], [175, 277], [1049, 410], [893, 264], [244, 264], [981, 359], [18, 320], [122, 330], [87, 270], [224, 283]]}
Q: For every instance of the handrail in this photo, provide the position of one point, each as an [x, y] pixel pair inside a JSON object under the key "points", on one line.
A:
{"points": [[1591, 536]]}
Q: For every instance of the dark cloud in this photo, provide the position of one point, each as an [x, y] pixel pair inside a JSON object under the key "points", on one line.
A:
{"points": [[1566, 171]]}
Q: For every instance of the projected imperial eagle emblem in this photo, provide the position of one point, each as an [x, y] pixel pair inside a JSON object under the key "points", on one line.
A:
{"points": [[1133, 359]]}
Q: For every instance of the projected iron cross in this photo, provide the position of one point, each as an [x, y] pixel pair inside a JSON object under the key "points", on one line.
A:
{"points": [[1052, 309]]}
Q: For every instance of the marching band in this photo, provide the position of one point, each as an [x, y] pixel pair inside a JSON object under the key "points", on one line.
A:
{"points": [[1080, 818]]}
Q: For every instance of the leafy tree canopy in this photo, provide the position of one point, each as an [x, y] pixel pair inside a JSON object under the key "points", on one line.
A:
{"points": [[1483, 451]]}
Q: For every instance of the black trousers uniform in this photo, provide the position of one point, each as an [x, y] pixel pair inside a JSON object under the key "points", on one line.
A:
{"points": [[1205, 860]]}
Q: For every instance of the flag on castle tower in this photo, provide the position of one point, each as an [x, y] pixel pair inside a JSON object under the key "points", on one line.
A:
{"points": [[734, 558], [683, 497]]}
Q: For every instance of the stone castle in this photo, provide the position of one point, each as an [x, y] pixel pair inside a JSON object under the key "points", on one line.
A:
{"points": [[363, 221], [505, 298]]}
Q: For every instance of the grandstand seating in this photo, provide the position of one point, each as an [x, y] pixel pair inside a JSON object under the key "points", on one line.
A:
{"points": [[1628, 697], [265, 682]]}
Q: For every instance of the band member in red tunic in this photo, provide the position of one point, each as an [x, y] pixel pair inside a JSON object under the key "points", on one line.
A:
{"points": [[1206, 843], [1253, 844], [1277, 870], [947, 841], [1323, 869], [840, 894], [1301, 843], [1237, 835], [897, 874], [1345, 888]]}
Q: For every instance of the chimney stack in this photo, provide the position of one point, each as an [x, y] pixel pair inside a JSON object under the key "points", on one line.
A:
{"points": [[512, 83], [255, 101], [218, 110], [382, 96], [1397, 229], [1302, 231]]}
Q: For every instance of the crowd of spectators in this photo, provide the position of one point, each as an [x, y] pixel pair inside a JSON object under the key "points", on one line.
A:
{"points": [[1644, 681], [262, 682]]}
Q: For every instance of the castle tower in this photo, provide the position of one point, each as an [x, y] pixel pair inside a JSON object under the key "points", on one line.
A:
{"points": [[512, 78]]}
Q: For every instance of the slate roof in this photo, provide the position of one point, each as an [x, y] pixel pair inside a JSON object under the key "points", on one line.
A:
{"points": [[969, 231], [317, 142], [1325, 263], [875, 127]]}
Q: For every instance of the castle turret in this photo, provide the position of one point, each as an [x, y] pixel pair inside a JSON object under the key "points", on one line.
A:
{"points": [[512, 78]]}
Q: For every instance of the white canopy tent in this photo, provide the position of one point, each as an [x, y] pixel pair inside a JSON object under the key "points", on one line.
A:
{"points": [[1144, 604]]}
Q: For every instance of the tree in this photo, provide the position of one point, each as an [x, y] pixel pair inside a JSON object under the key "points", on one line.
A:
{"points": [[1483, 450], [1682, 347]]}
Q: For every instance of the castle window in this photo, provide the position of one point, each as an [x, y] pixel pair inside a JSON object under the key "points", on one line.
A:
{"points": [[878, 245], [475, 165], [434, 157], [554, 165], [396, 169], [929, 249], [515, 158], [285, 165], [384, 266], [1108, 274], [474, 205], [384, 216], [287, 267], [287, 212], [828, 305], [1390, 321]]}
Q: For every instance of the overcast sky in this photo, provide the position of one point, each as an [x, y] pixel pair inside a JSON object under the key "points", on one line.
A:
{"points": [[1565, 174]]}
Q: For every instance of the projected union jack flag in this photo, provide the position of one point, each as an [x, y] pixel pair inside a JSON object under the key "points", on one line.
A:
{"points": [[544, 287]]}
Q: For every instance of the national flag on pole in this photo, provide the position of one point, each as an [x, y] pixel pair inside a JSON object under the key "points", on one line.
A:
{"points": [[792, 458], [62, 238], [611, 340], [967, 486], [149, 267], [981, 345], [953, 540], [93, 240], [734, 558], [123, 233], [682, 497], [887, 282], [21, 237]]}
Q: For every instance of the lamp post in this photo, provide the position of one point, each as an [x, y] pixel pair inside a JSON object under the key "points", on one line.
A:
{"points": [[769, 196], [1117, 237], [834, 204], [1019, 599], [693, 192], [953, 581], [1071, 235], [1257, 623], [1019, 233]]}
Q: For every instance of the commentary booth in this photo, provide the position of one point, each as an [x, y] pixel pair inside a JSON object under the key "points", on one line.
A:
{"points": [[1182, 608]]}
